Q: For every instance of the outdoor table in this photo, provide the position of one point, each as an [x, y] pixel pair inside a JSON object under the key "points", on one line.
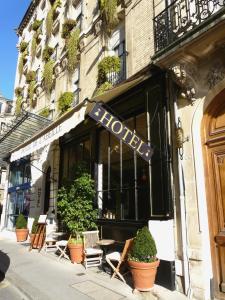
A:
{"points": [[104, 244]]}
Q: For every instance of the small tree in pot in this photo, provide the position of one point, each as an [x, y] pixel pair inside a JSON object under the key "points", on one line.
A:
{"points": [[142, 260], [75, 206], [21, 228]]}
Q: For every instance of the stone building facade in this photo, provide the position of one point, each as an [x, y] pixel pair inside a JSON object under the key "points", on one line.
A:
{"points": [[169, 86]]}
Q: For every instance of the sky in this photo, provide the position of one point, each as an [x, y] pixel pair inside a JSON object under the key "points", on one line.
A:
{"points": [[11, 13]]}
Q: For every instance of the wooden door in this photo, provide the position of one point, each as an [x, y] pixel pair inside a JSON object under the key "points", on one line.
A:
{"points": [[214, 155]]}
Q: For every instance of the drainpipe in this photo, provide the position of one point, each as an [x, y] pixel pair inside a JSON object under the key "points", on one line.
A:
{"points": [[186, 271]]}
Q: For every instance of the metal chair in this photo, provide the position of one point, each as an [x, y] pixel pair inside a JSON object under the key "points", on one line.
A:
{"points": [[92, 253], [120, 258]]}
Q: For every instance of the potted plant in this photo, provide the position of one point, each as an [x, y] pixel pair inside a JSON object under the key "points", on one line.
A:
{"points": [[21, 228], [75, 206], [142, 260]]}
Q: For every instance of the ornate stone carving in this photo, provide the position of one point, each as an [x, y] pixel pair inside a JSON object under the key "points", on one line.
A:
{"points": [[184, 75], [97, 27], [215, 75]]}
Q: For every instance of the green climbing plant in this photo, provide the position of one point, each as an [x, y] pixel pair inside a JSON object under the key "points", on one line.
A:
{"points": [[30, 76], [19, 97], [50, 17], [36, 25], [68, 25], [22, 61], [103, 88], [47, 52], [72, 49], [31, 89], [108, 14], [44, 112], [23, 46], [106, 65], [65, 101], [48, 75]]}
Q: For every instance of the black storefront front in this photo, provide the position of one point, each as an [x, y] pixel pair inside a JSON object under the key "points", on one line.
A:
{"points": [[130, 190]]}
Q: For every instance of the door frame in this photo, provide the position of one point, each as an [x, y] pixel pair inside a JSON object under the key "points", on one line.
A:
{"points": [[212, 139]]}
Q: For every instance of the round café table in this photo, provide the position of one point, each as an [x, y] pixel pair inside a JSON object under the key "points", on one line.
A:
{"points": [[104, 245]]}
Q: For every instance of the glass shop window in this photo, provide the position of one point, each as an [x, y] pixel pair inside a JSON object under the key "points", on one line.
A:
{"points": [[74, 154], [123, 177]]}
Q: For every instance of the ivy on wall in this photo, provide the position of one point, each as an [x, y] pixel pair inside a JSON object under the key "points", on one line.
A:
{"points": [[23, 56], [50, 17], [72, 44], [108, 15], [48, 75], [31, 89], [65, 101], [44, 112], [67, 27], [106, 65], [18, 93]]}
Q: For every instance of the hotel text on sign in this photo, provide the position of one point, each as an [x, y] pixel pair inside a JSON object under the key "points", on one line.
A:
{"points": [[112, 124]]}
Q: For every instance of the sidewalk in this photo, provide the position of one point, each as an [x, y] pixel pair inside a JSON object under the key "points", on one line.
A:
{"points": [[39, 276]]}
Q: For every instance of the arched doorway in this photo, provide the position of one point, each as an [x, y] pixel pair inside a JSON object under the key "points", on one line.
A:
{"points": [[213, 141], [47, 190]]}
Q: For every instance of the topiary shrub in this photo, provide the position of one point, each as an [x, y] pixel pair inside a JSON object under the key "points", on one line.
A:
{"points": [[47, 52], [65, 101], [106, 65], [68, 25], [30, 76], [21, 222], [143, 248]]}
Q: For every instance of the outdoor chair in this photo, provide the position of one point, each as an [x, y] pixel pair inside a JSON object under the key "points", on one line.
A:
{"points": [[119, 258], [50, 240], [92, 253], [62, 247]]}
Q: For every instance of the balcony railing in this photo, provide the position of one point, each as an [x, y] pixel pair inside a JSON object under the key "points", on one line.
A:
{"points": [[117, 77], [182, 17]]}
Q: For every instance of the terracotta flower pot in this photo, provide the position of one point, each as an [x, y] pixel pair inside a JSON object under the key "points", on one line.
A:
{"points": [[37, 243], [76, 253], [143, 274], [21, 234]]}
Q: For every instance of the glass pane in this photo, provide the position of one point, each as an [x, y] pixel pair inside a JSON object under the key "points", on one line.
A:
{"points": [[114, 162], [103, 157]]}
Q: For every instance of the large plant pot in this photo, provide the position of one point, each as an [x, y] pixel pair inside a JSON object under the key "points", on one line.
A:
{"points": [[21, 234], [143, 274], [36, 239], [76, 253]]}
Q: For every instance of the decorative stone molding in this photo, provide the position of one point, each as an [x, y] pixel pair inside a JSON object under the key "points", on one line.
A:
{"points": [[215, 74], [57, 70], [185, 77], [97, 27], [126, 3], [64, 63]]}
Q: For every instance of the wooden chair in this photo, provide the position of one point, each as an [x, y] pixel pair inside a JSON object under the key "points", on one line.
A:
{"points": [[62, 247], [92, 253], [120, 258]]}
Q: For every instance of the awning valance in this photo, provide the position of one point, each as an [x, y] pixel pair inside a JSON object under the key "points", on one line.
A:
{"points": [[50, 133], [69, 121], [21, 129]]}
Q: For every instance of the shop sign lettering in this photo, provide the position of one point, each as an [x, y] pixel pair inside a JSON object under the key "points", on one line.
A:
{"points": [[122, 132]]}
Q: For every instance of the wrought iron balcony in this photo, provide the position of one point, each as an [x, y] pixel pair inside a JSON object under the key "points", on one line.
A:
{"points": [[117, 77], [182, 18]]}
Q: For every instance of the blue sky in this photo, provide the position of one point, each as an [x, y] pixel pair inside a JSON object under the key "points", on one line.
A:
{"points": [[11, 13]]}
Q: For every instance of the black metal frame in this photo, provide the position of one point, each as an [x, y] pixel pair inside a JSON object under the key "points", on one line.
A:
{"points": [[182, 17]]}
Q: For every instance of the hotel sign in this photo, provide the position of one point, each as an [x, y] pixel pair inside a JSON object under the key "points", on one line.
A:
{"points": [[122, 132]]}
